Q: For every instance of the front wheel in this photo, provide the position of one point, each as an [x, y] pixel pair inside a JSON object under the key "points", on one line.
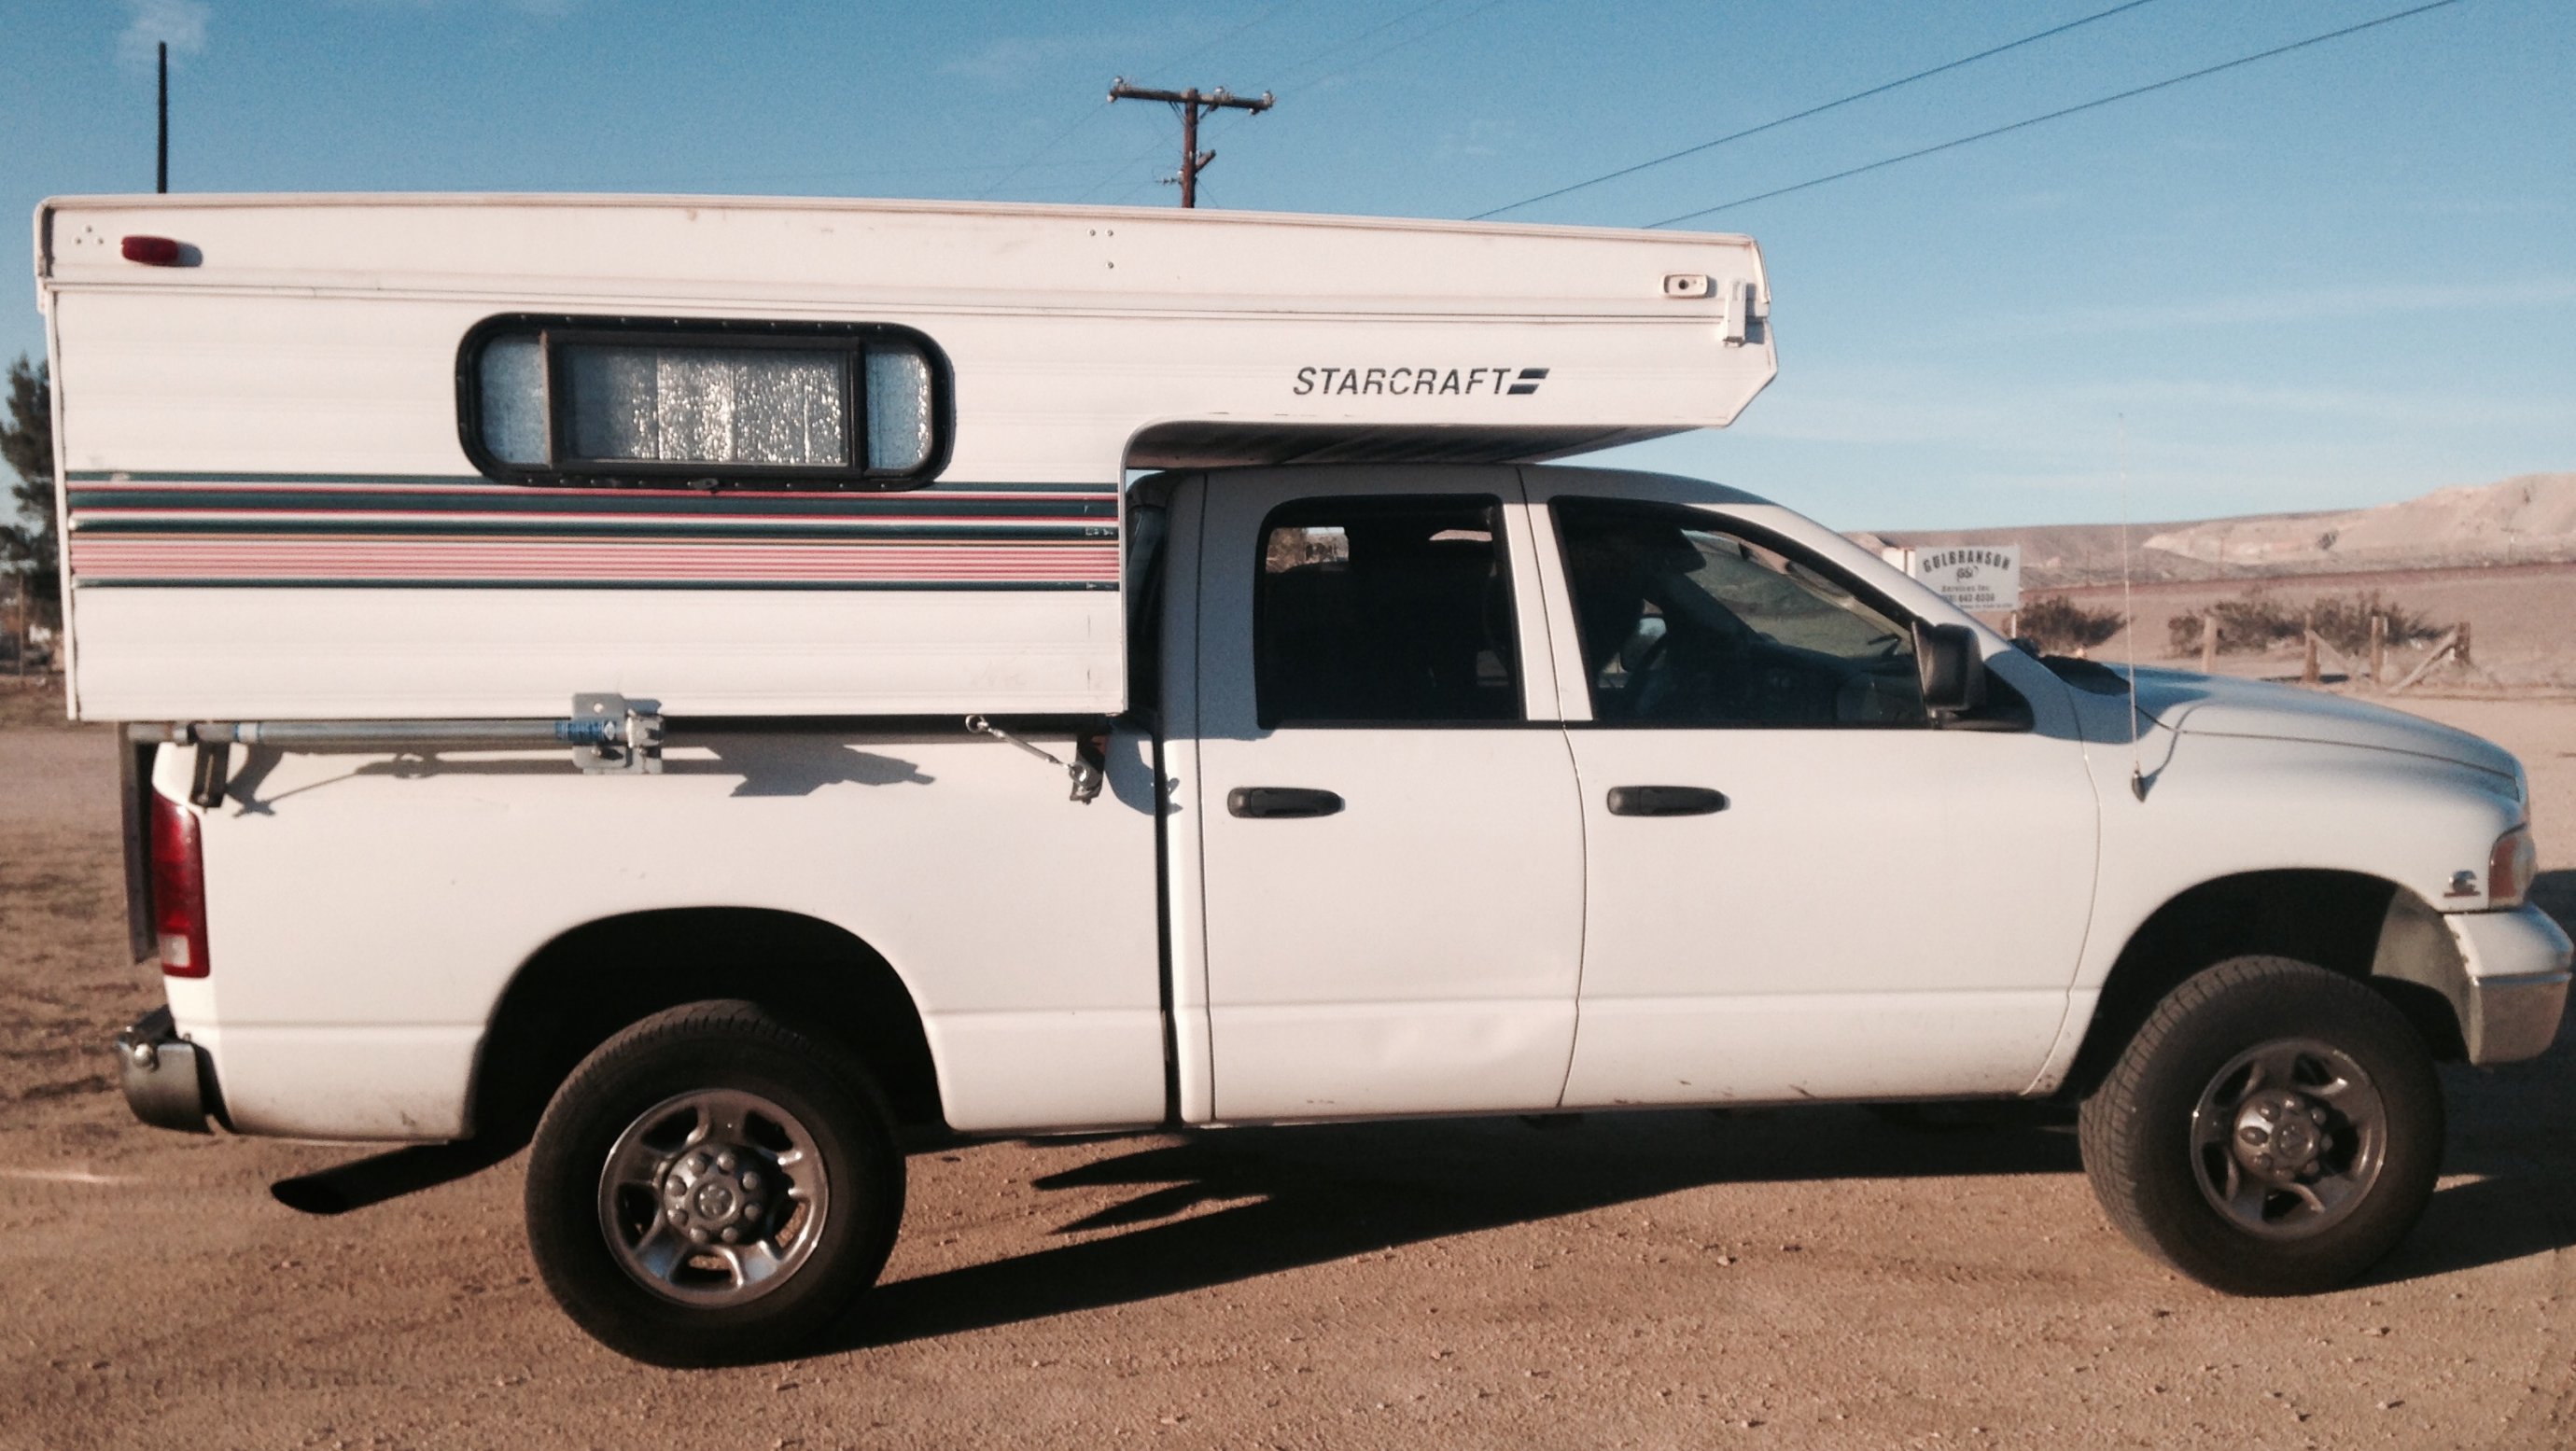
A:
{"points": [[712, 1186], [2274, 1129]]}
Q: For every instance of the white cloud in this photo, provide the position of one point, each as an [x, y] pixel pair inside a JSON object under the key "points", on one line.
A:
{"points": [[180, 24]]}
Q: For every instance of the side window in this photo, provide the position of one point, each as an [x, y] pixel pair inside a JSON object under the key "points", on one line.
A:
{"points": [[1685, 623], [1385, 611], [571, 400]]}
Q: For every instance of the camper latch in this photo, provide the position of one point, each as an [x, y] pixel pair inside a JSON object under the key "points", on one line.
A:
{"points": [[1085, 770], [1744, 315], [614, 736]]}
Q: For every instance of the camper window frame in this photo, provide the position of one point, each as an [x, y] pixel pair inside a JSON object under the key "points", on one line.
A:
{"points": [[849, 340]]}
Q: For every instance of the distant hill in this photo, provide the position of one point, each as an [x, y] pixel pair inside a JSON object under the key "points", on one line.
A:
{"points": [[2528, 519]]}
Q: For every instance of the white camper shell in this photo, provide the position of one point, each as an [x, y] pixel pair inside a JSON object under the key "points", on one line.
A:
{"points": [[373, 457]]}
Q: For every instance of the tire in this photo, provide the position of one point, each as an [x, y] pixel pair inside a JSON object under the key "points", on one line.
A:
{"points": [[647, 1176], [2273, 1129]]}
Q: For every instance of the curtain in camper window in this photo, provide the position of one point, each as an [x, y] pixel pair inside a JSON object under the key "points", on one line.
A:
{"points": [[514, 400], [766, 406], [899, 411]]}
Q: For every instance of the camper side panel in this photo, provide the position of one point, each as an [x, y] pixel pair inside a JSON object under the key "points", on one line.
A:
{"points": [[270, 514]]}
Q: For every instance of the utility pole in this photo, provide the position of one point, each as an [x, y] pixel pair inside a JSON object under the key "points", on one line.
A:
{"points": [[1191, 104], [161, 168]]}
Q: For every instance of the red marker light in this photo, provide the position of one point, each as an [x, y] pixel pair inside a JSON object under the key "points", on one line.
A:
{"points": [[152, 251]]}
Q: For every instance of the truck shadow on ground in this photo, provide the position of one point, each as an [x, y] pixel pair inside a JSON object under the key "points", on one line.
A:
{"points": [[1220, 1207], [1230, 1205]]}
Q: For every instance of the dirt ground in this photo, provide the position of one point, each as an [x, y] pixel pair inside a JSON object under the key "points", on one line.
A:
{"points": [[1798, 1278]]}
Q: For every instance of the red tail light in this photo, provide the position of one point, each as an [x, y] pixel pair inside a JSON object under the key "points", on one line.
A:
{"points": [[152, 251], [178, 888]]}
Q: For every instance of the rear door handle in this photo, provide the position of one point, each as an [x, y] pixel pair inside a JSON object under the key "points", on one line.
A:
{"points": [[1262, 802], [1665, 801]]}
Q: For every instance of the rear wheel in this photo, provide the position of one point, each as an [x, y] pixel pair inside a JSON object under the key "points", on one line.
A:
{"points": [[2274, 1129], [711, 1186]]}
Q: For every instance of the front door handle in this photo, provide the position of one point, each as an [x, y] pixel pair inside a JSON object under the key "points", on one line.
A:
{"points": [[1665, 801], [1262, 802]]}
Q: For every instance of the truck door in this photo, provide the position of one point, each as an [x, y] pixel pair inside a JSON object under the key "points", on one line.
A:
{"points": [[1800, 885], [1390, 841]]}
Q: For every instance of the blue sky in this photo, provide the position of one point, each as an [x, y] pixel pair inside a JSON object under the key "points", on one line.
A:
{"points": [[2340, 277]]}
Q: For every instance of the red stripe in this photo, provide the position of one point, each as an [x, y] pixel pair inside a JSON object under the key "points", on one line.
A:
{"points": [[104, 559], [1069, 491]]}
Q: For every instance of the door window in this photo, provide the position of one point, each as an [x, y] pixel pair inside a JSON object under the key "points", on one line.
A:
{"points": [[1683, 622], [1384, 611]]}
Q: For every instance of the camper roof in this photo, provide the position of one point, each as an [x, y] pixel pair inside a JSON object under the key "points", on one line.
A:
{"points": [[1097, 338]]}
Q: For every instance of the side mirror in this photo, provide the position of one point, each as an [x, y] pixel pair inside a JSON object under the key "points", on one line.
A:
{"points": [[1952, 670]]}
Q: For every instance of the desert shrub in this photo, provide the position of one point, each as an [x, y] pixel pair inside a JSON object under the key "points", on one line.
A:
{"points": [[2060, 626], [2344, 621], [2257, 621]]}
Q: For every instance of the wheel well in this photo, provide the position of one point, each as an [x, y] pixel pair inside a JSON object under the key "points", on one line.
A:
{"points": [[583, 987], [2329, 918]]}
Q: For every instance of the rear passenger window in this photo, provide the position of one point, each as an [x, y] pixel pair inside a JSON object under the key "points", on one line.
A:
{"points": [[1384, 611]]}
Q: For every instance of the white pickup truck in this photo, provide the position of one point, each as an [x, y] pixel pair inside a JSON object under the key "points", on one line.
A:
{"points": [[1422, 780]]}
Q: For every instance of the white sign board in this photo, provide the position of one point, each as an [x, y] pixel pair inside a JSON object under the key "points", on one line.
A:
{"points": [[1979, 578]]}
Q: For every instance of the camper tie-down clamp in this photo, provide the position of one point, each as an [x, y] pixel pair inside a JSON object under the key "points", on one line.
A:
{"points": [[609, 735], [1086, 770]]}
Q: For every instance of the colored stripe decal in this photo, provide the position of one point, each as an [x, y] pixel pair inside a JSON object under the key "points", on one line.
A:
{"points": [[393, 530], [477, 481]]}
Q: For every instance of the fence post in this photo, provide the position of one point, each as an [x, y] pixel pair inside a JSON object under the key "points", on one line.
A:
{"points": [[2308, 672], [2461, 651], [2378, 650], [2209, 643]]}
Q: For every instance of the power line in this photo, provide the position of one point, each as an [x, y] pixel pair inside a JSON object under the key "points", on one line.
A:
{"points": [[1264, 18], [1122, 168], [1051, 143], [2230, 65], [1814, 110], [1191, 104], [1093, 114], [1339, 46], [1306, 70], [1335, 48], [1424, 33]]}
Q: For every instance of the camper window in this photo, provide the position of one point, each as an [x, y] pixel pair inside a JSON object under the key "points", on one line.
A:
{"points": [[594, 400]]}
